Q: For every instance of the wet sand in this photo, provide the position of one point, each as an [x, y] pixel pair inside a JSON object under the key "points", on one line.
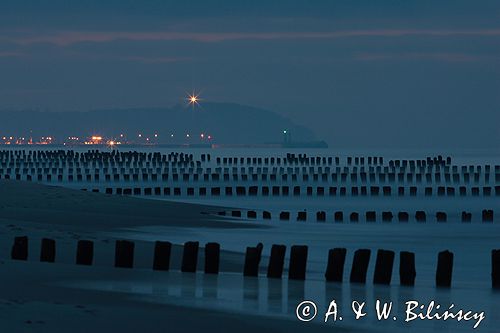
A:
{"points": [[73, 209]]}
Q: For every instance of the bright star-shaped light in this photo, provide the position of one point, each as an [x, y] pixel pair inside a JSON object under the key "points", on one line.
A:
{"points": [[193, 99]]}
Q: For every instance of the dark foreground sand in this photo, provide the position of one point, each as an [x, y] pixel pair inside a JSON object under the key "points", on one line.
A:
{"points": [[35, 297], [73, 209]]}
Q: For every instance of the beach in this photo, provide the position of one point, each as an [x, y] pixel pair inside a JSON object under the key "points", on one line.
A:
{"points": [[46, 296]]}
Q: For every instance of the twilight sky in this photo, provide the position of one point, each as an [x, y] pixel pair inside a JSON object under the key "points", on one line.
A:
{"points": [[359, 73]]}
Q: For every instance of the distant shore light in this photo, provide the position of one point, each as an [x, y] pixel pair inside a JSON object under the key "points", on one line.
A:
{"points": [[193, 99]]}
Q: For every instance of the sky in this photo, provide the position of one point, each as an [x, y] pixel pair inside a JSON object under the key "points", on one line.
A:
{"points": [[360, 74]]}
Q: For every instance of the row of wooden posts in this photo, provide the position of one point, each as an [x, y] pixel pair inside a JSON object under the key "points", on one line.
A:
{"points": [[487, 215], [341, 173], [124, 258], [123, 167], [93, 155], [65, 155], [96, 158], [412, 167], [187, 177], [297, 191]]}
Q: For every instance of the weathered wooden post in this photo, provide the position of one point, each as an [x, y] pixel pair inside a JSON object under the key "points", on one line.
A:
{"points": [[252, 260], [298, 262], [338, 216], [360, 266], [495, 268], [48, 251], [20, 248], [276, 261], [161, 259], [371, 216], [251, 214], [320, 216], [420, 216], [354, 217], [124, 254], [301, 216], [85, 252], [387, 216], [335, 267], [285, 216], [487, 215], [444, 269], [441, 217], [466, 216], [212, 258], [403, 217], [383, 267], [407, 271], [190, 257]]}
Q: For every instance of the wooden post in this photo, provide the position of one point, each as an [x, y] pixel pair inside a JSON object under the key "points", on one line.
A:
{"points": [[407, 271], [48, 252], [495, 269], [383, 267], [252, 260], [360, 266], [444, 269], [298, 262], [212, 258], [190, 257], [335, 267], [124, 254], [276, 261], [85, 252], [20, 248], [161, 259]]}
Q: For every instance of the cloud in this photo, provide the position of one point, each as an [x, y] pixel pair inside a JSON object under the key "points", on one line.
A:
{"points": [[11, 54], [153, 60], [71, 37], [447, 57]]}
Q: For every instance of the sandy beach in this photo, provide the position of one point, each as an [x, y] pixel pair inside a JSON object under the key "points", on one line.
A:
{"points": [[50, 297], [35, 298]]}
